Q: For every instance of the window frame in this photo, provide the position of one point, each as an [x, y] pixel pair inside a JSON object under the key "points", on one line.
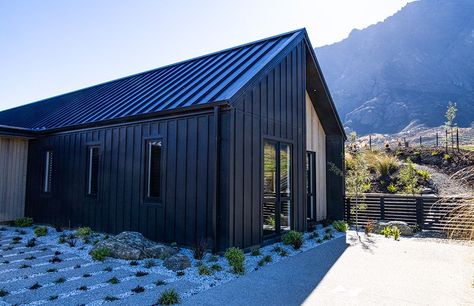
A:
{"points": [[148, 199], [47, 175], [88, 186]]}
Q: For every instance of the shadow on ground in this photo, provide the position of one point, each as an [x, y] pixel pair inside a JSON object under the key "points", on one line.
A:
{"points": [[288, 282]]}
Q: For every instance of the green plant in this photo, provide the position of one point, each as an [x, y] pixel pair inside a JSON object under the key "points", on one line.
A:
{"points": [[314, 235], [169, 297], [141, 273], [86, 275], [108, 269], [83, 288], [340, 226], [138, 289], [83, 232], [267, 258], [235, 257], [59, 280], [277, 249], [385, 164], [199, 249], [55, 259], [392, 188], [261, 262], [30, 257], [180, 273], [396, 232], [424, 174], [100, 254], [255, 252], [35, 286], [283, 253], [204, 270], [134, 263], [3, 293], [293, 238], [31, 243], [53, 297], [387, 231], [369, 227], [434, 153], [216, 267], [408, 178], [160, 282], [23, 222], [327, 236], [52, 270], [150, 263], [77, 266], [62, 239], [41, 231], [114, 280], [110, 298], [24, 266]]}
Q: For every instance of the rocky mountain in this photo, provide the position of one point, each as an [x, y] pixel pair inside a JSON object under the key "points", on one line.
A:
{"points": [[405, 69]]}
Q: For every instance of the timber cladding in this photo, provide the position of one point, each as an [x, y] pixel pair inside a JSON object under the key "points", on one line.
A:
{"points": [[13, 156]]}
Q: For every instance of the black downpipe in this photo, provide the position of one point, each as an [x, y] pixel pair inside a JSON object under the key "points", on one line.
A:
{"points": [[216, 205]]}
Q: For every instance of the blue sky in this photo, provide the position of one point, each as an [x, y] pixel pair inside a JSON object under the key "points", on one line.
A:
{"points": [[50, 47]]}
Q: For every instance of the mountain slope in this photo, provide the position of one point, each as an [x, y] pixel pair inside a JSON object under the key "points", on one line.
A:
{"points": [[406, 68]]}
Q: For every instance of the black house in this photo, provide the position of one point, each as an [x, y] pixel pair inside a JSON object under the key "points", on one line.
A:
{"points": [[232, 147]]}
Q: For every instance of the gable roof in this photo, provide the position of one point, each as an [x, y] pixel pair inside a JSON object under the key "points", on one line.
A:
{"points": [[210, 78]]}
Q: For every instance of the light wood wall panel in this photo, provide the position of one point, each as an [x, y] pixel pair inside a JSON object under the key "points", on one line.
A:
{"points": [[13, 162], [316, 142]]}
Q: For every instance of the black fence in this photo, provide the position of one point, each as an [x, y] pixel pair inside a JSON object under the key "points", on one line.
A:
{"points": [[428, 212]]}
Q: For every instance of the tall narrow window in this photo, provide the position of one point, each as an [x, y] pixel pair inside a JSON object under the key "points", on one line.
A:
{"points": [[92, 170], [48, 171], [153, 173]]}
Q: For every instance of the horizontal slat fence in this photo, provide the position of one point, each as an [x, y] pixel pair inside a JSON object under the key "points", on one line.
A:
{"points": [[428, 212]]}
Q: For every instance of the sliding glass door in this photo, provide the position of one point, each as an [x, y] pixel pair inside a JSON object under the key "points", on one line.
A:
{"points": [[277, 195]]}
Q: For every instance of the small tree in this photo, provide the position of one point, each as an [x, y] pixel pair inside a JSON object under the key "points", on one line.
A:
{"points": [[450, 115], [358, 183]]}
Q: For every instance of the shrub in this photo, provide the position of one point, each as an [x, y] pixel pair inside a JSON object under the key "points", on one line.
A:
{"points": [[235, 257], [267, 258], [340, 226], [23, 222], [108, 269], [110, 298], [314, 235], [53, 297], [424, 174], [150, 263], [30, 257], [327, 236], [71, 242], [180, 273], [385, 164], [277, 249], [24, 266], [83, 232], [199, 249], [255, 252], [283, 253], [216, 267], [408, 178], [446, 156], [169, 297], [293, 238], [387, 231], [52, 270], [100, 254], [261, 262], [31, 243], [141, 273], [392, 188], [59, 280], [16, 238], [3, 292], [62, 239], [113, 281], [160, 282], [83, 288], [369, 227], [55, 259], [41, 231], [204, 270], [134, 263], [35, 286], [138, 289], [396, 232], [86, 275]]}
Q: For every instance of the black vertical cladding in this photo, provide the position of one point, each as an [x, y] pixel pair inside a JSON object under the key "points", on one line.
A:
{"points": [[184, 213], [272, 107]]}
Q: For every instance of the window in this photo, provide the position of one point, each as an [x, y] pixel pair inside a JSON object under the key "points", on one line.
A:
{"points": [[48, 171], [153, 169], [92, 170]]}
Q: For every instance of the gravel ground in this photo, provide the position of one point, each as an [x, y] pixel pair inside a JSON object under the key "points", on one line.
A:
{"points": [[30, 276], [346, 271], [445, 184]]}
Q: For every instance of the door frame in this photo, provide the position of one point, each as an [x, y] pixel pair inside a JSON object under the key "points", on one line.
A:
{"points": [[277, 141]]}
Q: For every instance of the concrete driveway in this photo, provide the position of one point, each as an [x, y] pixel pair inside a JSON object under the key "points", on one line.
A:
{"points": [[345, 271]]}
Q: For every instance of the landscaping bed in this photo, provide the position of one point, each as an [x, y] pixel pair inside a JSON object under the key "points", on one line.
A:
{"points": [[56, 268]]}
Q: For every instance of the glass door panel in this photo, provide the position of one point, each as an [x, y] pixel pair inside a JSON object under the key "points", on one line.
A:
{"points": [[269, 188], [311, 185], [285, 187]]}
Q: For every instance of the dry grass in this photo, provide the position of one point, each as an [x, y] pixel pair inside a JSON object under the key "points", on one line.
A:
{"points": [[460, 220]]}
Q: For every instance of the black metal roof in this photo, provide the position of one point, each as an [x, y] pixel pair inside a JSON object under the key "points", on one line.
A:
{"points": [[206, 79]]}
